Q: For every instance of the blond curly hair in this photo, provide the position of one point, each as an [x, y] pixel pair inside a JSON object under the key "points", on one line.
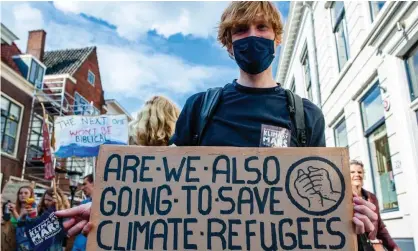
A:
{"points": [[155, 123]]}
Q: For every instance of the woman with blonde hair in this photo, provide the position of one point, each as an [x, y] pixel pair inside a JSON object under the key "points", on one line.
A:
{"points": [[155, 123]]}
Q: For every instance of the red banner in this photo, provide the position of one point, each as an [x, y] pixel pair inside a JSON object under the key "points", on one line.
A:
{"points": [[47, 159]]}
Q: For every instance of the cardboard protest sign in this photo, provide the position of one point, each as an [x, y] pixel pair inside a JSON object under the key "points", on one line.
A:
{"points": [[81, 136], [208, 198], [11, 188]]}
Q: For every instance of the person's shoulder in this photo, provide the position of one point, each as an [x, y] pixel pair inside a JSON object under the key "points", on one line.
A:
{"points": [[310, 107], [194, 99]]}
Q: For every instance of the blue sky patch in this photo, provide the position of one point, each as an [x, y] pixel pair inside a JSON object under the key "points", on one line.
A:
{"points": [[144, 48]]}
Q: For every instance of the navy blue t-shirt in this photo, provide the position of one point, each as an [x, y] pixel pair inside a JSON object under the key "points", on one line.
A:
{"points": [[243, 114]]}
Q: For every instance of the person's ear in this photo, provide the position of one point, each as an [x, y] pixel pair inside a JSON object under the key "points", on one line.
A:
{"points": [[277, 42]]}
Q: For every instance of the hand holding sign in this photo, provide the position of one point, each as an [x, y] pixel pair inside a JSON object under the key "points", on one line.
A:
{"points": [[79, 219], [364, 215]]}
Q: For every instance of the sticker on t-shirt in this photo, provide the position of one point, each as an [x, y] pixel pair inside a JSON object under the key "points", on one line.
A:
{"points": [[273, 136]]}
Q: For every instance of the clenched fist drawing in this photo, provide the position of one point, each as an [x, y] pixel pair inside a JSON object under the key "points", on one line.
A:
{"points": [[314, 185]]}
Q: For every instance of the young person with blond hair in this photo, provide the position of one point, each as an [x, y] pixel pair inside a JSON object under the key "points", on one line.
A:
{"points": [[155, 123], [238, 113], [244, 113]]}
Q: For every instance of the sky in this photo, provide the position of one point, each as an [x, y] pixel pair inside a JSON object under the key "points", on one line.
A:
{"points": [[144, 48]]}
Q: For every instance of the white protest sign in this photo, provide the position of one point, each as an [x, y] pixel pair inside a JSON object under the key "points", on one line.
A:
{"points": [[11, 188], [81, 136]]}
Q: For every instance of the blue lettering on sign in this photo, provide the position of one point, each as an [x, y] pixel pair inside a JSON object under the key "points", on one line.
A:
{"points": [[259, 192]]}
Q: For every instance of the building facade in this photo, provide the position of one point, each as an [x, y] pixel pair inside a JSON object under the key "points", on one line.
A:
{"points": [[113, 107], [358, 62], [16, 107], [70, 85]]}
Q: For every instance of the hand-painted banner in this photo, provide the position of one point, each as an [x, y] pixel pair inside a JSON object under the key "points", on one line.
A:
{"points": [[81, 136]]}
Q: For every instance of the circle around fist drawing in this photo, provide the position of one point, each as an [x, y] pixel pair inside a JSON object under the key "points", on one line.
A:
{"points": [[315, 185]]}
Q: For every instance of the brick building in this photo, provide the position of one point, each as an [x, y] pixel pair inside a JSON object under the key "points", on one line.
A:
{"points": [[72, 85], [63, 82], [17, 90]]}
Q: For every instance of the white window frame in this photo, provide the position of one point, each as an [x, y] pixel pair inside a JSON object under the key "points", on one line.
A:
{"points": [[305, 60], [19, 126], [338, 20], [373, 12], [49, 123], [90, 73], [32, 58], [36, 74], [339, 122], [292, 86]]}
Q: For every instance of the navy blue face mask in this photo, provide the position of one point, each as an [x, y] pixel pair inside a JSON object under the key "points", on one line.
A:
{"points": [[253, 54]]}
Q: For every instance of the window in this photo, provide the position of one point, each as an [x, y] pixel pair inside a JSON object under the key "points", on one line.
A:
{"points": [[340, 32], [293, 86], [372, 108], [375, 130], [10, 124], [412, 70], [83, 107], [340, 133], [36, 74], [91, 77], [375, 7], [416, 113], [307, 74], [382, 168], [36, 138]]}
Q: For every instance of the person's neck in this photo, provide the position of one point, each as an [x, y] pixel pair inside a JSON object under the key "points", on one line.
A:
{"points": [[261, 80]]}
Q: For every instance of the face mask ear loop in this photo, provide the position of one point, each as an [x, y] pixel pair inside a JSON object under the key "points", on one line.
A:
{"points": [[231, 54]]}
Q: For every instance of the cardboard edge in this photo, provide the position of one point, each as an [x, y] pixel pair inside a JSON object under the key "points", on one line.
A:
{"points": [[345, 160], [334, 151], [95, 207]]}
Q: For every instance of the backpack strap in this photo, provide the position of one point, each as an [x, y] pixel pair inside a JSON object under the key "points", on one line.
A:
{"points": [[297, 113], [209, 103]]}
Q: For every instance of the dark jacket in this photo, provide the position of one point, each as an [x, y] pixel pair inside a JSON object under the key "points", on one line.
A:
{"points": [[380, 231]]}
